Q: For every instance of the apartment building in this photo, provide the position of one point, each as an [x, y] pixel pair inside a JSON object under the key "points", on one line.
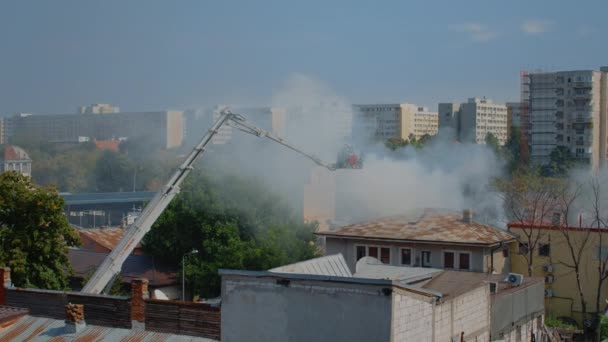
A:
{"points": [[385, 121], [473, 120], [568, 108], [165, 127], [98, 108], [514, 111]]}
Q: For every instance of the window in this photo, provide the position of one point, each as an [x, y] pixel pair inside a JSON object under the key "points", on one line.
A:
{"points": [[544, 249], [360, 252], [385, 255], [505, 253], [523, 248], [406, 256], [602, 253], [381, 253], [373, 252], [426, 259], [448, 260], [464, 260]]}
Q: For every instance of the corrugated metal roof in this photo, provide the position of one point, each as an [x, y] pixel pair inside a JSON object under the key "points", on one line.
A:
{"points": [[34, 329], [8, 313], [428, 225], [403, 274], [106, 237], [330, 265], [136, 266]]}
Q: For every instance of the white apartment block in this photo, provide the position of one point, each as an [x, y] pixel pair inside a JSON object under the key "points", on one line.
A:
{"points": [[473, 120], [385, 121], [568, 108]]}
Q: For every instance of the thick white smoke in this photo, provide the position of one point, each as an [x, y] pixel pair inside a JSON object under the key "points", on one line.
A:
{"points": [[443, 174]]}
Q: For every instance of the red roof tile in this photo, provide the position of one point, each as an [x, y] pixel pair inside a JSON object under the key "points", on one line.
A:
{"points": [[428, 225], [9, 313], [15, 153], [107, 145]]}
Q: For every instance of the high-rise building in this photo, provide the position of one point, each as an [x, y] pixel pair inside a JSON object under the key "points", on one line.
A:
{"points": [[568, 108], [385, 121], [2, 134], [164, 128], [514, 111], [473, 120]]}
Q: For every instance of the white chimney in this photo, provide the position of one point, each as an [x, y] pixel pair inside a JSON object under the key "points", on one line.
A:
{"points": [[467, 216]]}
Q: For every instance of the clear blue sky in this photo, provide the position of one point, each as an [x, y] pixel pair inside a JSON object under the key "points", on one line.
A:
{"points": [[56, 55]]}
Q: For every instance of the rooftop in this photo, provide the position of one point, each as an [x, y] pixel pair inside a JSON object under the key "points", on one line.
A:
{"points": [[369, 267], [106, 237], [455, 283], [9, 314], [30, 328], [111, 145], [425, 225], [12, 152], [107, 197], [331, 265], [136, 266]]}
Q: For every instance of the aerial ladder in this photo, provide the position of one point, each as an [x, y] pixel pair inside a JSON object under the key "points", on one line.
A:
{"points": [[105, 274]]}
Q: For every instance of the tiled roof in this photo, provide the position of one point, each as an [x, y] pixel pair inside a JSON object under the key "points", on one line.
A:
{"points": [[12, 152], [9, 313], [425, 225], [107, 145], [455, 283], [106, 237], [331, 265], [31, 328], [136, 266]]}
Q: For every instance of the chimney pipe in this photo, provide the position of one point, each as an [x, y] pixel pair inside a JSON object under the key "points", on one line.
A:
{"points": [[467, 216], [139, 294], [74, 318], [5, 276]]}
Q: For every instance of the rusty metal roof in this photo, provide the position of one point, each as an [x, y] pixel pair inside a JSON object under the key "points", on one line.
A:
{"points": [[9, 313], [136, 266], [31, 328], [425, 225], [106, 237]]}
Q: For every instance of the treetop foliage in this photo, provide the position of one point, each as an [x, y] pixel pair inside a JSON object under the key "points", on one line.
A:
{"points": [[34, 233]]}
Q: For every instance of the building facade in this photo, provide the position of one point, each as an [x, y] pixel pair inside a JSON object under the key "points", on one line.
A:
{"points": [[385, 121], [550, 260], [432, 238], [98, 108], [164, 127], [473, 120], [568, 108]]}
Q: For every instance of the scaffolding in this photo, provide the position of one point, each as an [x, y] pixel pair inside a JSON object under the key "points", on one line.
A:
{"points": [[524, 115]]}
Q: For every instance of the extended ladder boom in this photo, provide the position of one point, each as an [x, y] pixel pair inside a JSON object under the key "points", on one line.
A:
{"points": [[112, 264]]}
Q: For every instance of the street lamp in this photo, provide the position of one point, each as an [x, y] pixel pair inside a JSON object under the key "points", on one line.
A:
{"points": [[194, 251]]}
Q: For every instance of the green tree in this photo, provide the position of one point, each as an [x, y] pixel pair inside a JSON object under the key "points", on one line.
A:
{"points": [[34, 233], [561, 161], [233, 223], [113, 172], [395, 143], [512, 150], [492, 141]]}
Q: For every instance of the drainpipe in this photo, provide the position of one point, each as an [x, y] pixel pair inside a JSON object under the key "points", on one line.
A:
{"points": [[492, 256]]}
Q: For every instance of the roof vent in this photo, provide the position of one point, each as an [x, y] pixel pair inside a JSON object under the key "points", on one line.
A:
{"points": [[467, 216]]}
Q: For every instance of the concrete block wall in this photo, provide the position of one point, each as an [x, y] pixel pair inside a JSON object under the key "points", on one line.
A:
{"points": [[412, 318], [468, 313], [472, 312]]}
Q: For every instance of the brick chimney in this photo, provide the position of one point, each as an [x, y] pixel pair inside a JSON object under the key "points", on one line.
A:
{"points": [[5, 276], [139, 294], [467, 216], [74, 318]]}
